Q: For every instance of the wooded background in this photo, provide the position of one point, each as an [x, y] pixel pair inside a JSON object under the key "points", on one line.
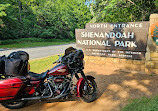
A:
{"points": [[59, 18]]}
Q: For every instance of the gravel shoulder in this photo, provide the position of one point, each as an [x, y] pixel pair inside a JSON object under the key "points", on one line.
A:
{"points": [[116, 87]]}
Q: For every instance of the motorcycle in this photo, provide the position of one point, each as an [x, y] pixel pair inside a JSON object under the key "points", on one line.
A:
{"points": [[55, 83]]}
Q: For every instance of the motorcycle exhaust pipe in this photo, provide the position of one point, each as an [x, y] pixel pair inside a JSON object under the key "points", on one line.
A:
{"points": [[46, 97], [59, 96], [40, 97], [36, 98]]}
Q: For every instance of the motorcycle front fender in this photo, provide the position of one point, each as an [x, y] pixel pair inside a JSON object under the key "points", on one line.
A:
{"points": [[80, 84]]}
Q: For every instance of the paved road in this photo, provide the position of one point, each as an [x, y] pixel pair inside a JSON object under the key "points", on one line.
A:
{"points": [[38, 52]]}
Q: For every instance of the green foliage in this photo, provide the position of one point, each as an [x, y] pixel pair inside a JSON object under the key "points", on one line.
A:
{"points": [[123, 10], [59, 18], [32, 42], [143, 104], [42, 18], [2, 9]]}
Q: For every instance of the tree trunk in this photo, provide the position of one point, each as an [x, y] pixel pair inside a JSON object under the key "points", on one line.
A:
{"points": [[20, 7]]}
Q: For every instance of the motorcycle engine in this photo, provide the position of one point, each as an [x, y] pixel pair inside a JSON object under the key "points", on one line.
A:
{"points": [[59, 84]]}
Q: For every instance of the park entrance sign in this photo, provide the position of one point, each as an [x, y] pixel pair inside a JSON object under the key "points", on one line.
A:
{"points": [[122, 40]]}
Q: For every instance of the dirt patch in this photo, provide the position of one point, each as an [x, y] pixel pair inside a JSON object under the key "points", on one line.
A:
{"points": [[115, 88]]}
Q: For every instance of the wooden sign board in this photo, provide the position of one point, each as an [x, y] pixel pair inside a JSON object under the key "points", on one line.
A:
{"points": [[123, 40]]}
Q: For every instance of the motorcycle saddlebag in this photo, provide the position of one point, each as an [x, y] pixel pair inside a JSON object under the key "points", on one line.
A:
{"points": [[24, 56], [2, 64], [9, 88], [13, 67], [19, 55]]}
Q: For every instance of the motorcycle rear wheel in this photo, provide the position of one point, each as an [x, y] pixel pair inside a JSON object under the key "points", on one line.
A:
{"points": [[13, 104], [91, 95]]}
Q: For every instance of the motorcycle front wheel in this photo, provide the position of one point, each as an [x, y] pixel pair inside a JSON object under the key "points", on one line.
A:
{"points": [[89, 93], [13, 104]]}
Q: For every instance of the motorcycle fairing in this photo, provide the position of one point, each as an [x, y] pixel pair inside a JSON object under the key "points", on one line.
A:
{"points": [[9, 88], [80, 84], [60, 69]]}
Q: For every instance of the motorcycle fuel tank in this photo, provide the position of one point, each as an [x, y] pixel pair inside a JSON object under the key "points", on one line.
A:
{"points": [[59, 69], [9, 88]]}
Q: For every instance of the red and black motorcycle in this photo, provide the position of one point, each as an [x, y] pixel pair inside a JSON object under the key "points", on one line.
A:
{"points": [[53, 84]]}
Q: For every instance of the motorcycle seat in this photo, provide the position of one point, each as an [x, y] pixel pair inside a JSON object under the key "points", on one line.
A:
{"points": [[35, 76]]}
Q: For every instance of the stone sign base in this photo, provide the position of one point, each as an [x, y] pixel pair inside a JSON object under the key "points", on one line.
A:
{"points": [[116, 63], [151, 59], [151, 65]]}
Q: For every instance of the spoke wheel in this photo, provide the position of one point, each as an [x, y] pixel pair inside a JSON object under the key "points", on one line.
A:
{"points": [[89, 92]]}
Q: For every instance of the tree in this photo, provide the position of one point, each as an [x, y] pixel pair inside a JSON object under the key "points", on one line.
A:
{"points": [[44, 18], [123, 10], [3, 7]]}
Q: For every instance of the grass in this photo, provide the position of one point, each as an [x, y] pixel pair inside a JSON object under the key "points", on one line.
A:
{"points": [[32, 42], [43, 64], [143, 104]]}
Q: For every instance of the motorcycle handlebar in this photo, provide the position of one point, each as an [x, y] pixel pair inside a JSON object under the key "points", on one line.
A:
{"points": [[59, 60]]}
